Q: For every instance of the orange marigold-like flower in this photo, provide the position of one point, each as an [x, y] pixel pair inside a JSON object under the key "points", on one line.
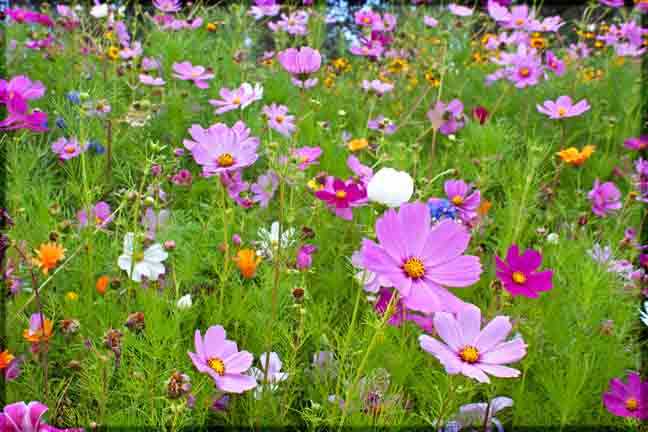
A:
{"points": [[358, 144], [5, 359], [49, 254], [247, 261], [572, 156]]}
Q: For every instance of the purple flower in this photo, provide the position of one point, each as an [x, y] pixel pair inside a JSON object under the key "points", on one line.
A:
{"points": [[296, 24], [628, 400], [419, 259], [265, 188], [305, 256], [363, 172], [400, 313], [377, 86], [220, 149], [466, 203], [430, 21], [563, 108], [447, 118], [638, 144], [67, 149], [382, 124], [612, 3], [306, 156], [221, 360], [279, 120], [459, 10], [301, 63], [264, 8], [99, 214], [605, 198], [182, 178], [237, 99], [518, 274], [473, 352], [640, 178], [149, 80], [366, 17], [340, 196], [167, 6], [555, 64], [153, 221], [13, 371], [187, 72], [20, 87]]}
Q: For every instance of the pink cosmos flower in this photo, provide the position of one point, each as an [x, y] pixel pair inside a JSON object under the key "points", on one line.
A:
{"points": [[20, 119], [237, 99], [306, 156], [67, 149], [419, 259], [20, 87], [264, 8], [638, 144], [167, 6], [305, 256], [27, 16], [563, 108], [605, 198], [459, 10], [296, 24], [367, 48], [518, 274], [459, 194], [221, 359], [555, 64], [99, 215], [187, 72], [382, 124], [430, 21], [301, 63], [400, 313], [473, 352], [384, 24], [363, 172], [341, 196], [366, 17], [265, 188], [377, 86], [149, 80], [279, 120], [27, 417], [220, 149], [447, 118], [131, 51], [612, 3], [628, 400]]}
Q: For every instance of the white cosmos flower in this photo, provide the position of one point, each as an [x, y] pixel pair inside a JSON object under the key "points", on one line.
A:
{"points": [[643, 313], [269, 240], [184, 302], [99, 11], [390, 187], [148, 263], [274, 373]]}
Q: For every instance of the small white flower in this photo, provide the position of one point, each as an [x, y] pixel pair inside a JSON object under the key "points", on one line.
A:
{"points": [[643, 313], [274, 373], [184, 302], [390, 187], [147, 263], [270, 239], [553, 238], [99, 11]]}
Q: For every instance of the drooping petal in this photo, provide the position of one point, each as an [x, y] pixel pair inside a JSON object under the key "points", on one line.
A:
{"points": [[448, 329], [236, 383], [445, 355]]}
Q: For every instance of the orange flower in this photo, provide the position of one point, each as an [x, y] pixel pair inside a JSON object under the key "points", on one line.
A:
{"points": [[358, 144], [102, 284], [5, 359], [38, 336], [49, 254], [212, 27], [574, 157], [484, 207], [247, 261]]}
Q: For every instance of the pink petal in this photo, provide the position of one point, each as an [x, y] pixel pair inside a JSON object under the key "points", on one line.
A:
{"points": [[448, 329], [507, 352], [415, 222], [469, 320], [390, 235], [493, 334], [448, 359], [499, 371], [446, 241], [461, 271], [475, 372], [421, 297], [234, 383], [213, 342]]}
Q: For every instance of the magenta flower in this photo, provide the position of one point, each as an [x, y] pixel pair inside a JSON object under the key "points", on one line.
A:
{"points": [[99, 215], [306, 156], [20, 87], [563, 108], [341, 196], [473, 352], [23, 417], [279, 120], [187, 72], [466, 203], [555, 64], [363, 172], [264, 8], [367, 48], [220, 149], [447, 118], [612, 3], [35, 121], [481, 114], [221, 359], [382, 124], [419, 259], [366, 17], [167, 6], [628, 400], [30, 17], [525, 71], [400, 313], [305, 256], [605, 198], [377, 86], [265, 188], [237, 99], [67, 149], [518, 274], [638, 144], [301, 63], [296, 24]]}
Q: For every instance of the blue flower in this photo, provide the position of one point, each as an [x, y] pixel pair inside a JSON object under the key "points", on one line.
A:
{"points": [[442, 209], [96, 147], [74, 97], [60, 123]]}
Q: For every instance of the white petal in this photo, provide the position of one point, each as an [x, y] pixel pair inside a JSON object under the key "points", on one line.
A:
{"points": [[155, 253]]}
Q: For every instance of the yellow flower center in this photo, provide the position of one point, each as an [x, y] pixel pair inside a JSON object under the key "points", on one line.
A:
{"points": [[225, 160], [291, 22], [631, 404], [525, 72], [518, 277], [69, 149], [562, 111], [469, 354], [216, 365], [195, 74], [236, 101], [138, 256], [366, 20], [340, 194], [457, 200], [414, 268], [279, 119], [519, 21]]}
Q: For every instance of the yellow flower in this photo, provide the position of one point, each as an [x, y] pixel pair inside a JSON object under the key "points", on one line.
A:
{"points": [[538, 42], [572, 156], [5, 359], [212, 26], [432, 78], [358, 144], [49, 254], [71, 296], [398, 65], [113, 53], [314, 185]]}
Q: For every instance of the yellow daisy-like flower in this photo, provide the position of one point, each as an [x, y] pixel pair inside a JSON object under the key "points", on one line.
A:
{"points": [[113, 53], [358, 144], [572, 156], [212, 27], [71, 296], [48, 256], [398, 65]]}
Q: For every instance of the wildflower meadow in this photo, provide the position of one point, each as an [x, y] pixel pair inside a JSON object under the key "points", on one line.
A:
{"points": [[324, 215]]}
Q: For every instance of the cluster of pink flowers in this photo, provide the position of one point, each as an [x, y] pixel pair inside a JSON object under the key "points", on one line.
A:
{"points": [[14, 94], [295, 24], [378, 35]]}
